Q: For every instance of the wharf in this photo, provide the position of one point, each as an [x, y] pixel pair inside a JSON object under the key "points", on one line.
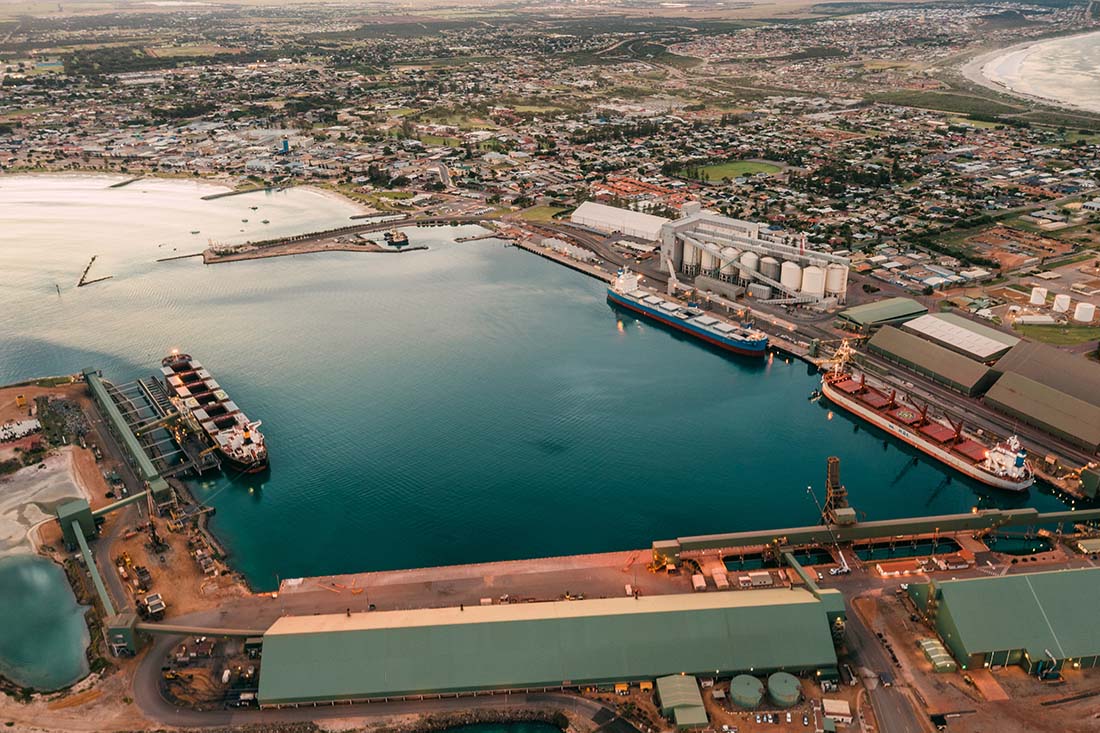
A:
{"points": [[583, 267], [224, 194], [127, 182], [599, 575]]}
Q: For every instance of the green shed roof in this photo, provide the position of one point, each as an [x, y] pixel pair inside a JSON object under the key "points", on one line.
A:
{"points": [[424, 651], [680, 699], [1072, 374], [1036, 612], [947, 365], [1046, 407], [884, 311]]}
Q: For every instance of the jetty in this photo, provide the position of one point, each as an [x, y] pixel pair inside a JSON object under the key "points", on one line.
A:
{"points": [[84, 275], [127, 182], [238, 192]]}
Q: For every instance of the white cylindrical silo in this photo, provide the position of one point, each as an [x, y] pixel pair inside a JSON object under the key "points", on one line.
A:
{"points": [[1084, 312], [790, 276], [708, 262], [1038, 296], [691, 256], [813, 281], [750, 263], [729, 263], [836, 279], [769, 268], [1061, 303]]}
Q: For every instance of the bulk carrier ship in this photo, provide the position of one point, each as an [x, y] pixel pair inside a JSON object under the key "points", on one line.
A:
{"points": [[1003, 466], [198, 395], [626, 291]]}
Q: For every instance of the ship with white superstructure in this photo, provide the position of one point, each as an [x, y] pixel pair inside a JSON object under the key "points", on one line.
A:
{"points": [[1003, 465], [197, 394], [626, 291]]}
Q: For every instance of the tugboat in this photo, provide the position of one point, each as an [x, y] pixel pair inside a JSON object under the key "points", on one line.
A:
{"points": [[198, 396], [396, 238], [1003, 465]]}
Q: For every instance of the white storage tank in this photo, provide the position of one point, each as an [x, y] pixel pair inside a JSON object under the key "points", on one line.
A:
{"points": [[709, 261], [836, 279], [1061, 303], [1038, 296], [691, 256], [729, 263], [1084, 312], [769, 268], [813, 281], [750, 263], [790, 276]]}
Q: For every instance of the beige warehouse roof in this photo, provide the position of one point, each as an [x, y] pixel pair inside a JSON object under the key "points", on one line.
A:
{"points": [[929, 357], [958, 333]]}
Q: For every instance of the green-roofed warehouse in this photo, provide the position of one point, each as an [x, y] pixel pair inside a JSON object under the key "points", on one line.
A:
{"points": [[681, 701], [1039, 621], [551, 645], [1047, 408], [891, 311], [939, 364]]}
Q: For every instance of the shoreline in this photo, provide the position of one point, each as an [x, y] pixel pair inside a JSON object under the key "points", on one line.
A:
{"points": [[973, 71]]}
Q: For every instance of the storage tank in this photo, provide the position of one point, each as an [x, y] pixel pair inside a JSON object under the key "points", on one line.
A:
{"points": [[813, 281], [709, 261], [1084, 312], [750, 263], [1061, 303], [1038, 296], [769, 268], [691, 256], [746, 691], [729, 263], [790, 276], [784, 689], [836, 279]]}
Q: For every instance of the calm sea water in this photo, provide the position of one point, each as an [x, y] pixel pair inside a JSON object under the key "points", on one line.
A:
{"points": [[468, 403], [506, 728], [1065, 70], [42, 629]]}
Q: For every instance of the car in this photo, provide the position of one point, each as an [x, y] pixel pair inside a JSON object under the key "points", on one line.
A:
{"points": [[788, 717], [805, 720], [758, 717]]}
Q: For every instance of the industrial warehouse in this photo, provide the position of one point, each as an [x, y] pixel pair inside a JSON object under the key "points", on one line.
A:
{"points": [[1026, 620], [549, 645]]}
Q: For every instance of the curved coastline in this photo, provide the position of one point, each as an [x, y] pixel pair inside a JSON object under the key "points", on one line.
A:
{"points": [[974, 70]]}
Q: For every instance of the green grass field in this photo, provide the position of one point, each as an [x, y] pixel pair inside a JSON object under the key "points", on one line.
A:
{"points": [[948, 102], [541, 213], [1061, 335], [737, 168]]}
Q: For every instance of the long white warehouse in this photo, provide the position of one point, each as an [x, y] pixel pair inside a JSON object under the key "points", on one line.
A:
{"points": [[611, 219]]}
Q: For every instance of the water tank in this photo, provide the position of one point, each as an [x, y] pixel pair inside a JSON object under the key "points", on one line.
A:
{"points": [[729, 263], [691, 256], [769, 268], [790, 276], [746, 691], [784, 689], [836, 279], [709, 261], [1061, 303], [813, 281], [1038, 296], [1084, 312], [750, 263]]}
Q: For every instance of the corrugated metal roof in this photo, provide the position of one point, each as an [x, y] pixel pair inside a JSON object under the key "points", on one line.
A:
{"points": [[1074, 375], [959, 333], [1046, 406], [890, 309], [601, 216], [378, 654], [1036, 612]]}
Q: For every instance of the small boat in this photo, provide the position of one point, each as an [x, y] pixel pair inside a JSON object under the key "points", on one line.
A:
{"points": [[253, 207], [245, 220], [265, 221], [194, 231]]}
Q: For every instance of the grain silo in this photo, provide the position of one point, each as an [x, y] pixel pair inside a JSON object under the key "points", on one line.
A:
{"points": [[813, 281], [769, 268], [750, 263], [836, 280], [790, 276]]}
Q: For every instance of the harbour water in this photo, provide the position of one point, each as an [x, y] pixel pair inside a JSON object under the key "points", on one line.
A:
{"points": [[468, 403], [506, 728], [1064, 70], [42, 630]]}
